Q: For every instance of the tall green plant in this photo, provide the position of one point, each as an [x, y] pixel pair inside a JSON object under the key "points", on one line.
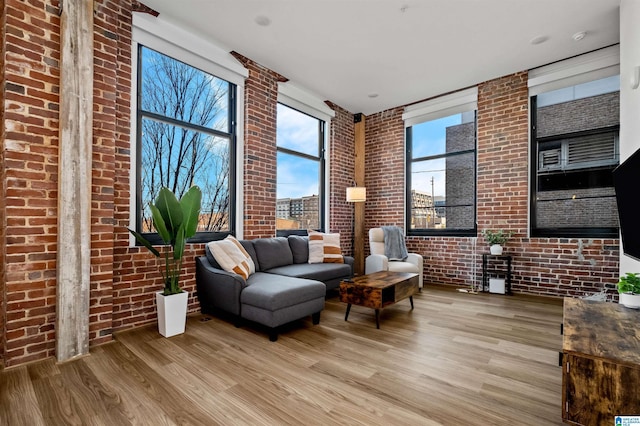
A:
{"points": [[175, 221]]}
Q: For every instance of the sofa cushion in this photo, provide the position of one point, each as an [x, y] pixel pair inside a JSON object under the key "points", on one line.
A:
{"points": [[248, 246], [314, 271], [272, 252], [232, 256], [212, 260], [324, 248], [273, 292], [299, 248]]}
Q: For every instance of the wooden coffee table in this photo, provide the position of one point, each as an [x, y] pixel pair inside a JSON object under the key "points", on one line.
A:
{"points": [[378, 290]]}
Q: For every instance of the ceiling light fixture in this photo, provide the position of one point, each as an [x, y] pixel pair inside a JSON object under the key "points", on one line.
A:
{"points": [[372, 95], [579, 35], [262, 20], [539, 39]]}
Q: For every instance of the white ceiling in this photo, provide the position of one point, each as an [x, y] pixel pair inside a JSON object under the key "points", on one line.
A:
{"points": [[402, 51]]}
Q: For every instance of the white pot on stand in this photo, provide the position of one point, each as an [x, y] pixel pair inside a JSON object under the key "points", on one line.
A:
{"points": [[630, 300], [172, 313], [495, 249]]}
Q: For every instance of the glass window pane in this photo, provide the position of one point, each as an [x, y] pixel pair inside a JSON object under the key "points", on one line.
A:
{"points": [[577, 149], [176, 90], [579, 209], [177, 158], [445, 135], [298, 131], [443, 193], [584, 90], [297, 193]]}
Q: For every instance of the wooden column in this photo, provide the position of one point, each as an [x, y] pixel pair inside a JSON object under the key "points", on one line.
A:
{"points": [[74, 178], [358, 239]]}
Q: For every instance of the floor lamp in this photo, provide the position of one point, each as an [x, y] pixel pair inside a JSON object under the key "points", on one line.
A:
{"points": [[358, 195]]}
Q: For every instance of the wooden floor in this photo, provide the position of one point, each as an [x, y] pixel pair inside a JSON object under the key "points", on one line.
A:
{"points": [[456, 359]]}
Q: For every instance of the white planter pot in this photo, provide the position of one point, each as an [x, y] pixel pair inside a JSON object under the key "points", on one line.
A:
{"points": [[172, 313], [630, 300], [495, 249]]}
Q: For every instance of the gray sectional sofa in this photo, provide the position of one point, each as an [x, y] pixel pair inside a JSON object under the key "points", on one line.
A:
{"points": [[284, 288]]}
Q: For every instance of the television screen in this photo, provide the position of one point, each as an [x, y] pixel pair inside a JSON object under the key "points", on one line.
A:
{"points": [[626, 180]]}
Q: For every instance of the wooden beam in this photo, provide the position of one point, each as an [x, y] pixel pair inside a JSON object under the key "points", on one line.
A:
{"points": [[358, 239], [74, 179]]}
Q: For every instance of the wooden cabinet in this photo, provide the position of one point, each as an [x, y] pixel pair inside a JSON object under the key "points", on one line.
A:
{"points": [[601, 362]]}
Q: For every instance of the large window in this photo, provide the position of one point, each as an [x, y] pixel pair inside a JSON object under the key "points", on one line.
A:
{"points": [[441, 175], [575, 149], [300, 171], [186, 136]]}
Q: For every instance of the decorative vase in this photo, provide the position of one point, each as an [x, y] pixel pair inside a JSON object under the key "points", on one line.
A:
{"points": [[630, 300], [496, 249], [172, 313]]}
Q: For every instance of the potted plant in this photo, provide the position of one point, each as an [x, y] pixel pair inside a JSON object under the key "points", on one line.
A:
{"points": [[175, 221], [629, 289], [496, 239]]}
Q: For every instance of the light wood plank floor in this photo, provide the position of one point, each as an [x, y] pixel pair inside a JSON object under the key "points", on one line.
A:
{"points": [[456, 359]]}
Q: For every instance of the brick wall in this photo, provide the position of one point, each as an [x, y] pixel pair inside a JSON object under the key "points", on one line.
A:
{"points": [[384, 169], [547, 266], [260, 117], [341, 159], [30, 146], [3, 245]]}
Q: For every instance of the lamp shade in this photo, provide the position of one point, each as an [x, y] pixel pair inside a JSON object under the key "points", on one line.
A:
{"points": [[356, 194]]}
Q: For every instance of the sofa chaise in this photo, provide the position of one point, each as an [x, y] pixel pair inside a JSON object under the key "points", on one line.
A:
{"points": [[284, 287]]}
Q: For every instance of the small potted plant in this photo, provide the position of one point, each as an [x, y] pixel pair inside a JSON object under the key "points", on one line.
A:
{"points": [[496, 240], [629, 289], [175, 221]]}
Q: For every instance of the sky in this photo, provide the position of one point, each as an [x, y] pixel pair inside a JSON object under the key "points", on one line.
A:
{"points": [[429, 138], [297, 177], [300, 177]]}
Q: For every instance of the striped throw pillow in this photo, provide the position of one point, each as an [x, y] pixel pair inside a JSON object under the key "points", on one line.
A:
{"points": [[232, 257], [324, 248]]}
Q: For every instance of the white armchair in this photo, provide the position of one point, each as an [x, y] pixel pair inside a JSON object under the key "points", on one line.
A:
{"points": [[377, 261]]}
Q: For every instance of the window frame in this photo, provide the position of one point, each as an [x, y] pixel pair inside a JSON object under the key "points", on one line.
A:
{"points": [[557, 232], [177, 43], [322, 163], [425, 232]]}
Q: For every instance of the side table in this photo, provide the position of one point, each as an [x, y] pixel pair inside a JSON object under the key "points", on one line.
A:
{"points": [[497, 267]]}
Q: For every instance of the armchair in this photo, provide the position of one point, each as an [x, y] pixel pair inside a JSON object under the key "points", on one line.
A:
{"points": [[377, 261]]}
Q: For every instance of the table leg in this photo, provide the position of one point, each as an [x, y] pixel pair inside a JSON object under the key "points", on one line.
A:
{"points": [[348, 309], [377, 318], [411, 300]]}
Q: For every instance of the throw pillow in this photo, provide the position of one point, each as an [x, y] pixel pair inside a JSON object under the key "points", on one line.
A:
{"points": [[324, 248], [232, 257]]}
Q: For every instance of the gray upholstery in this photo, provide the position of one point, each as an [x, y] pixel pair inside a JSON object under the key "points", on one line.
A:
{"points": [[299, 248], [284, 288], [218, 289], [314, 271], [282, 316], [272, 252], [273, 292]]}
